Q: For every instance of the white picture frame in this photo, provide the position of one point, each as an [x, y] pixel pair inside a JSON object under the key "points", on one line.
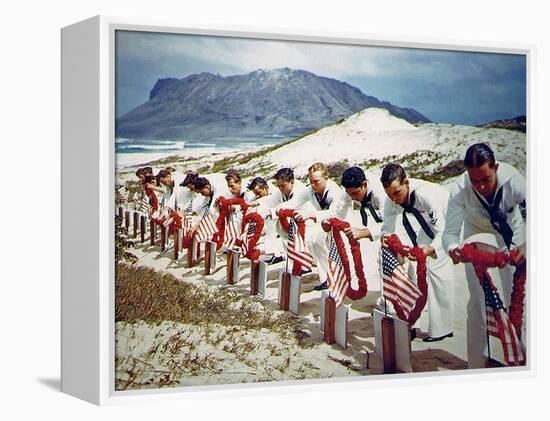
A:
{"points": [[88, 213]]}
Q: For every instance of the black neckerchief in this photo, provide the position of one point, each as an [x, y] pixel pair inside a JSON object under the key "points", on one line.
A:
{"points": [[367, 203], [409, 208], [497, 217], [323, 201]]}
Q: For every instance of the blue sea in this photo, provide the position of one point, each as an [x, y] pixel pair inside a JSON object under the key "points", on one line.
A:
{"points": [[131, 152]]}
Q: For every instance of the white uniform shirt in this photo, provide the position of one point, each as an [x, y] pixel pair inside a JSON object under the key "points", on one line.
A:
{"points": [[431, 200], [334, 197], [218, 190], [378, 198], [464, 206], [276, 200]]}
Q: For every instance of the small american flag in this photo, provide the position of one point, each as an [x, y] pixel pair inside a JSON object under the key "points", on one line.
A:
{"points": [[207, 226], [500, 326], [249, 230], [296, 248], [337, 280], [122, 195], [398, 287], [187, 222], [144, 206], [232, 234]]}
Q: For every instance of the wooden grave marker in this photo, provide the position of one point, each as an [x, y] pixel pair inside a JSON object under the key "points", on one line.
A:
{"points": [[127, 221], [258, 275], [284, 290], [294, 295], [152, 231], [135, 224], [334, 321], [176, 244], [209, 257], [392, 337], [162, 237], [192, 252], [142, 228], [233, 266]]}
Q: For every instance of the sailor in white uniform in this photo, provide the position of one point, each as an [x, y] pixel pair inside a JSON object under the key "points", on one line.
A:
{"points": [[366, 223], [287, 188], [423, 204], [321, 200], [265, 199], [489, 198]]}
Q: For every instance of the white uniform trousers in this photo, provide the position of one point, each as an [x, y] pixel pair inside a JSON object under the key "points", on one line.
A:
{"points": [[272, 244], [439, 311]]}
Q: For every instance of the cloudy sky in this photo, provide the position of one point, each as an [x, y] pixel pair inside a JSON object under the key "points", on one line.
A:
{"points": [[445, 86]]}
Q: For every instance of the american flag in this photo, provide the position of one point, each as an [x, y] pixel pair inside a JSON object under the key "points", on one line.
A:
{"points": [[144, 206], [207, 226], [249, 230], [187, 222], [500, 326], [337, 280], [232, 233], [398, 287], [296, 249], [122, 195]]}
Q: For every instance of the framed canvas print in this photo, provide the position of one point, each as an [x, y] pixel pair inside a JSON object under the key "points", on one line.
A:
{"points": [[244, 208]]}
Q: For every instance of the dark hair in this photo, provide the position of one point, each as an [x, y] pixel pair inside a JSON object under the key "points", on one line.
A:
{"points": [[170, 169], [353, 177], [479, 154], [163, 174], [139, 172], [200, 182], [233, 175], [190, 178], [257, 182], [392, 172], [147, 170], [149, 178], [285, 174]]}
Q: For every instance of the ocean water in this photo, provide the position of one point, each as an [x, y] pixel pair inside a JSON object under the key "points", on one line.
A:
{"points": [[131, 152]]}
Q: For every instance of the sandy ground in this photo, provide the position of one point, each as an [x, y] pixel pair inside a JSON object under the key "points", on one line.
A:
{"points": [[289, 361]]}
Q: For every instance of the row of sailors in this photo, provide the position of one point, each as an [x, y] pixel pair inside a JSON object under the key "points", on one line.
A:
{"points": [[490, 197]]}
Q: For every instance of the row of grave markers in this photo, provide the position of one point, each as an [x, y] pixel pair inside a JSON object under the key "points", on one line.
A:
{"points": [[392, 335]]}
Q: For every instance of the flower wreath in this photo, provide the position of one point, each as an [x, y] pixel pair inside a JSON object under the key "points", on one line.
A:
{"points": [[482, 260], [154, 199], [175, 222], [224, 208], [252, 252], [337, 227], [283, 215], [395, 246]]}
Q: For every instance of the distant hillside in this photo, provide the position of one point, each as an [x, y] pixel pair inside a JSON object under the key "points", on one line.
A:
{"points": [[372, 138], [518, 123], [280, 103]]}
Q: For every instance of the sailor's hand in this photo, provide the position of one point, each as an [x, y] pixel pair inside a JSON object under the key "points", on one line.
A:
{"points": [[519, 255], [326, 225], [357, 233], [429, 251], [456, 256], [303, 215]]}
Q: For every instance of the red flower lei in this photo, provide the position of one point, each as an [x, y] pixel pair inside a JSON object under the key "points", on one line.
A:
{"points": [[252, 252], [337, 228], [153, 197], [395, 245], [482, 260], [223, 206], [283, 215], [175, 224]]}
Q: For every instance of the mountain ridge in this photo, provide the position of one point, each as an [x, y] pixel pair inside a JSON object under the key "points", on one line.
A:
{"points": [[263, 103]]}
